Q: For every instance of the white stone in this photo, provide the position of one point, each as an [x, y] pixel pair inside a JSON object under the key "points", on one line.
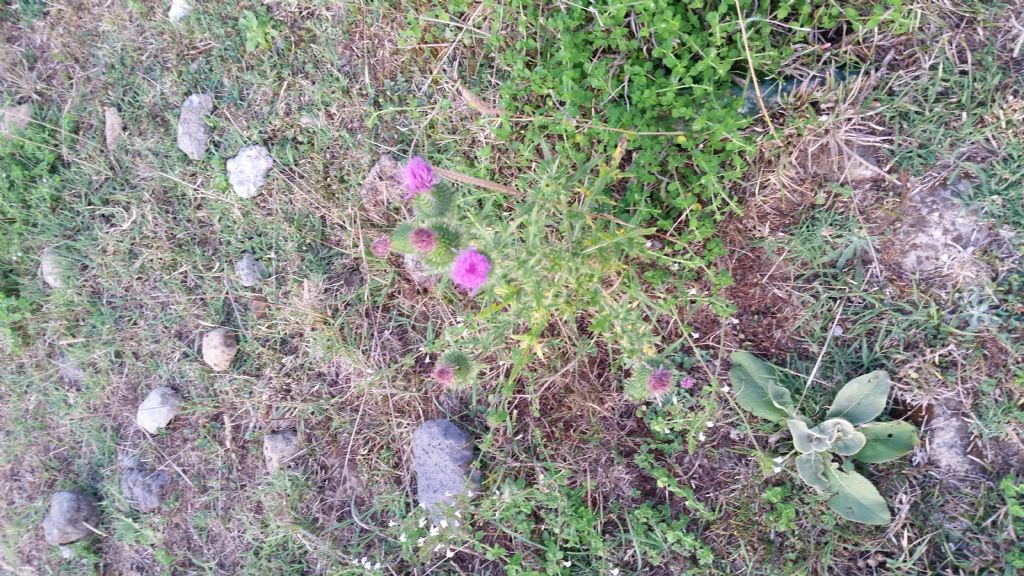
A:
{"points": [[247, 171], [160, 406], [179, 9], [113, 127]]}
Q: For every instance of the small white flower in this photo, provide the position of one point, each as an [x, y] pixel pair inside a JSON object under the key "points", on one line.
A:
{"points": [[376, 566], [701, 437], [421, 541], [692, 291], [694, 334], [422, 522], [449, 553], [776, 469], [402, 537], [433, 530], [444, 523], [566, 563], [709, 424], [458, 514], [614, 572], [725, 388], [779, 459], [392, 523]]}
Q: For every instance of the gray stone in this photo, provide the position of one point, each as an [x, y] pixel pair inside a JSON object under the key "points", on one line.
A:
{"points": [[143, 488], [219, 348], [15, 118], [179, 9], [250, 271], [442, 453], [69, 515], [113, 127], [247, 171], [160, 406], [193, 133], [279, 448]]}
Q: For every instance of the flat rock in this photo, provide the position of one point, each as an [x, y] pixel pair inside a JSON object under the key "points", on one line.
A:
{"points": [[68, 517], [113, 127], [247, 171], [279, 448], [193, 133], [51, 269], [15, 118], [939, 239], [948, 440], [250, 271], [143, 488], [179, 10], [160, 406], [442, 453], [219, 348]]}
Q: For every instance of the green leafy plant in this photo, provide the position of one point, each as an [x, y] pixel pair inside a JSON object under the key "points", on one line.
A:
{"points": [[847, 432], [258, 29]]}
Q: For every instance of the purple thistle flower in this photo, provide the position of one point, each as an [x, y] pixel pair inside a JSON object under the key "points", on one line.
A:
{"points": [[444, 374], [687, 382], [470, 269], [658, 382], [423, 239], [417, 177], [381, 247]]}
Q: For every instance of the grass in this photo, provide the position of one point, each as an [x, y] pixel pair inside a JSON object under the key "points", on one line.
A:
{"points": [[577, 479]]}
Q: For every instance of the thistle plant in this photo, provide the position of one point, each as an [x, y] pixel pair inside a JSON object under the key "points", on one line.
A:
{"points": [[453, 370], [432, 235], [847, 433]]}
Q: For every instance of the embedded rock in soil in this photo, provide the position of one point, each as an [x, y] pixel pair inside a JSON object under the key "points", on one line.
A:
{"points": [[939, 238], [113, 127], [381, 187], [219, 348], [250, 271], [51, 269], [143, 488], [948, 439], [160, 406], [419, 272], [69, 518], [15, 118], [193, 133], [247, 171], [442, 454], [279, 448], [179, 9]]}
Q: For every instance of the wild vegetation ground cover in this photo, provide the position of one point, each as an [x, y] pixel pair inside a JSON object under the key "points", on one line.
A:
{"points": [[645, 215]]}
